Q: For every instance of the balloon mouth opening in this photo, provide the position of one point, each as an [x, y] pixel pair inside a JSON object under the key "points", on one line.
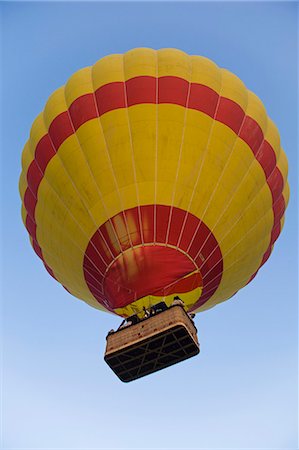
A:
{"points": [[152, 252], [152, 271]]}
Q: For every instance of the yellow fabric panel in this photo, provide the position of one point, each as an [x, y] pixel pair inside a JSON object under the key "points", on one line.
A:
{"points": [[107, 70], [22, 185], [79, 172], [142, 122], [195, 143], [79, 84], [226, 172], [27, 157], [63, 241], [66, 216], [175, 63], [188, 298], [236, 245], [90, 136], [272, 136], [237, 241], [172, 124], [66, 188], [232, 280], [55, 105], [140, 62], [233, 88], [205, 72], [286, 193], [256, 110], [65, 236], [90, 300], [24, 214], [38, 130], [282, 221], [118, 140], [282, 164]]}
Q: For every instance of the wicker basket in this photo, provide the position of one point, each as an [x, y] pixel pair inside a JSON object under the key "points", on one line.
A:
{"points": [[152, 344]]}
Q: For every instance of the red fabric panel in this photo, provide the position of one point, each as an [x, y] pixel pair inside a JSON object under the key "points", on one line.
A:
{"points": [[211, 280], [176, 223], [162, 214], [110, 235], [143, 271], [110, 96], [230, 113], [30, 203], [141, 90], [31, 227], [83, 109], [34, 177], [60, 129], [278, 209], [44, 152], [252, 134], [133, 219], [199, 240], [49, 270], [266, 256], [202, 98], [191, 224], [275, 233], [147, 218], [267, 158], [275, 182], [173, 90], [98, 251], [37, 249], [187, 284]]}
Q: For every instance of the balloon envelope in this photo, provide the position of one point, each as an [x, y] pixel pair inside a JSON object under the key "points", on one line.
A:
{"points": [[153, 174]]}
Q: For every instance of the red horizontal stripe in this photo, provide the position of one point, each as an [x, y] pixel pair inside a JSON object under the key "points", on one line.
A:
{"points": [[31, 227], [230, 113], [141, 90], [275, 233], [44, 152], [50, 271], [82, 110], [252, 134], [203, 98], [278, 209], [34, 177], [37, 249], [110, 97], [30, 203], [60, 129], [173, 90], [267, 158], [275, 183]]}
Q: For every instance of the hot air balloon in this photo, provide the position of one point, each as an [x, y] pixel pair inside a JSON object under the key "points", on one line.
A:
{"points": [[148, 176]]}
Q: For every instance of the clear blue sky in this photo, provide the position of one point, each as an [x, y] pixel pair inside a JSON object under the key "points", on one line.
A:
{"points": [[241, 391]]}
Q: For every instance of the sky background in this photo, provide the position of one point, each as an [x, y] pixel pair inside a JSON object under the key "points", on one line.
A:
{"points": [[58, 393]]}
